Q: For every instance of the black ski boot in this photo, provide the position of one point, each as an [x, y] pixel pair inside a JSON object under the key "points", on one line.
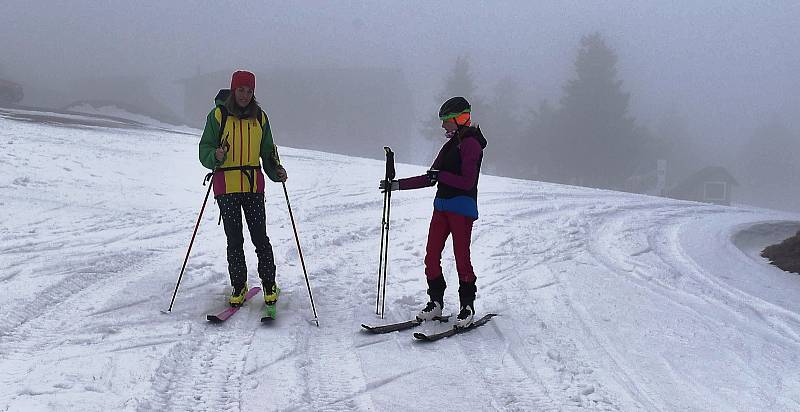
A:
{"points": [[466, 294], [433, 309]]}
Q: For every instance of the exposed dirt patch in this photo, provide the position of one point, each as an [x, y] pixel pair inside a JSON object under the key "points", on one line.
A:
{"points": [[785, 255]]}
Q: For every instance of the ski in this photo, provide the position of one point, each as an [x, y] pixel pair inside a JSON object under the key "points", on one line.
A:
{"points": [[227, 313], [394, 327], [269, 312], [454, 331]]}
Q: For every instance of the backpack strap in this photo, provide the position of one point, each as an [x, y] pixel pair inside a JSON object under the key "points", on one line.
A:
{"points": [[248, 171], [223, 118], [262, 118], [222, 95]]}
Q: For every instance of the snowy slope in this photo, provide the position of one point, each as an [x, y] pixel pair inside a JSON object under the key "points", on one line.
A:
{"points": [[608, 301]]}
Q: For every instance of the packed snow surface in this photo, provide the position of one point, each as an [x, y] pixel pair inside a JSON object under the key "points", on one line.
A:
{"points": [[607, 300]]}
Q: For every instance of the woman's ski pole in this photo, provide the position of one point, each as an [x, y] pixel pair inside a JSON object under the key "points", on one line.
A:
{"points": [[297, 240], [383, 261], [210, 180]]}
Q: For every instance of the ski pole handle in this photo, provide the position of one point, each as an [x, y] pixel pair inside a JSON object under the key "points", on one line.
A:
{"points": [[389, 163]]}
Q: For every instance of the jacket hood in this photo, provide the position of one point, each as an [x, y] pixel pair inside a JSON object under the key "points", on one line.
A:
{"points": [[472, 132], [225, 98], [222, 96]]}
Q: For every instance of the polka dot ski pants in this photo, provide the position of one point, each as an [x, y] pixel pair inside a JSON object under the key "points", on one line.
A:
{"points": [[231, 206]]}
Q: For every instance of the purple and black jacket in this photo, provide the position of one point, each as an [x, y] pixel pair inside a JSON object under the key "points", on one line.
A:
{"points": [[459, 165]]}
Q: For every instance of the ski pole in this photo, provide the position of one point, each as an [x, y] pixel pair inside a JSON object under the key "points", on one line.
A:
{"points": [[386, 253], [300, 251], [380, 253], [297, 240], [383, 262], [209, 178]]}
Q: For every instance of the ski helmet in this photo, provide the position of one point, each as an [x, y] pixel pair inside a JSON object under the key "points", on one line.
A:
{"points": [[453, 107]]}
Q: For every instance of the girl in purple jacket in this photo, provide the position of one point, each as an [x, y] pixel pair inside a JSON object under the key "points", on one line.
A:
{"points": [[455, 172]]}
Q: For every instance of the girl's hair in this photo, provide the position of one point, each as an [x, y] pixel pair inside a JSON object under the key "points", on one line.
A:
{"points": [[250, 111]]}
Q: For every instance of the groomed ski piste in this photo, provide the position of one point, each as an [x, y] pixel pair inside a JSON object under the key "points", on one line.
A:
{"points": [[608, 301]]}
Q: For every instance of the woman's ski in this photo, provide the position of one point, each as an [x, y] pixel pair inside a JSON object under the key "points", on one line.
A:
{"points": [[227, 313], [454, 331], [394, 327]]}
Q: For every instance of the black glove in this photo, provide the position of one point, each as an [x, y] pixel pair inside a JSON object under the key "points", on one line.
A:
{"points": [[392, 185], [433, 175], [281, 173]]}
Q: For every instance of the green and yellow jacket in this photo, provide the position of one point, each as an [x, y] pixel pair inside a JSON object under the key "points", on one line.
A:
{"points": [[248, 139]]}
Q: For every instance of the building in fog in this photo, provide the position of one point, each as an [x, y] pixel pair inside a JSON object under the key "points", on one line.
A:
{"points": [[710, 185]]}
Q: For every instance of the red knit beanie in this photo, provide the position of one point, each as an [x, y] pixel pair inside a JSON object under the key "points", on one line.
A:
{"points": [[243, 78]]}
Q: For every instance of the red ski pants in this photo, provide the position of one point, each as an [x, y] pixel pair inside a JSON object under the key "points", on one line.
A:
{"points": [[444, 224]]}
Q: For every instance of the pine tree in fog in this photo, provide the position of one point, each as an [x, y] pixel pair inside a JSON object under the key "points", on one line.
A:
{"points": [[590, 139], [502, 120], [458, 83]]}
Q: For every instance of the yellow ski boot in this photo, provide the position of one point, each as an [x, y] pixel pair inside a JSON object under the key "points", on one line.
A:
{"points": [[237, 296], [271, 296]]}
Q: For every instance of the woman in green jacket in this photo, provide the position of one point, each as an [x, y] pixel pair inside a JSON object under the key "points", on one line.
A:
{"points": [[236, 140]]}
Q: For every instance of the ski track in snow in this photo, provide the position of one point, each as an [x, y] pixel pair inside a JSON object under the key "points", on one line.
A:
{"points": [[607, 301]]}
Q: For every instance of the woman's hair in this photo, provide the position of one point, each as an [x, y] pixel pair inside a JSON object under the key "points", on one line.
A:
{"points": [[250, 111]]}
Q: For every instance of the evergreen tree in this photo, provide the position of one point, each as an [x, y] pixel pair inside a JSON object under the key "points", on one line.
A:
{"points": [[591, 139], [459, 83], [538, 145], [502, 118]]}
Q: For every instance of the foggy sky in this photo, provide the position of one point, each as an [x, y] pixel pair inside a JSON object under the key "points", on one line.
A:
{"points": [[724, 65]]}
